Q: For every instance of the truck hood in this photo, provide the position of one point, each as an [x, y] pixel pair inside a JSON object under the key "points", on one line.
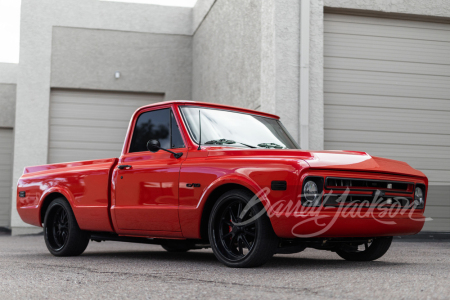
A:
{"points": [[330, 160], [358, 161]]}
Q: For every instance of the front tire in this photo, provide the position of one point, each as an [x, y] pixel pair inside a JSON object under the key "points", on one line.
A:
{"points": [[62, 235], [370, 250], [237, 237]]}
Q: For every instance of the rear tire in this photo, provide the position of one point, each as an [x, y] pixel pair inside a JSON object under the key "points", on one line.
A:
{"points": [[62, 235], [375, 250], [241, 246]]}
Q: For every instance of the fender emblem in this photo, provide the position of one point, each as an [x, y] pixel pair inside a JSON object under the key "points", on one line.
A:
{"points": [[193, 184]]}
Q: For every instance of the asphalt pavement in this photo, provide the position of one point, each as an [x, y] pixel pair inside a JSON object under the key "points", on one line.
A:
{"points": [[115, 270]]}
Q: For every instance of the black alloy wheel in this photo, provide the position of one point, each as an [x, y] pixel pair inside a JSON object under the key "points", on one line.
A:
{"points": [[370, 250], [59, 228], [238, 238], [62, 235]]}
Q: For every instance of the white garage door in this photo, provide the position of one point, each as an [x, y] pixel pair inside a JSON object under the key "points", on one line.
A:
{"points": [[387, 92], [6, 158], [88, 125]]}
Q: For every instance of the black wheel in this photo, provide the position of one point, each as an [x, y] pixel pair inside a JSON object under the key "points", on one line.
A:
{"points": [[248, 245], [62, 235], [371, 250]]}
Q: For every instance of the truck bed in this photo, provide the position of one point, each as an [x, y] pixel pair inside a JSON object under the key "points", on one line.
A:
{"points": [[86, 185]]}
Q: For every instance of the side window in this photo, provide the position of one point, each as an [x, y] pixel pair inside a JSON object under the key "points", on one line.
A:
{"points": [[177, 140], [151, 125], [157, 124]]}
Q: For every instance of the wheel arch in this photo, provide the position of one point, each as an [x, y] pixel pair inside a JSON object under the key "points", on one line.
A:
{"points": [[48, 198], [219, 190]]}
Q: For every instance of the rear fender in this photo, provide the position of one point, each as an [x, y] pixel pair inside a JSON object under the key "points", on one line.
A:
{"points": [[56, 189]]}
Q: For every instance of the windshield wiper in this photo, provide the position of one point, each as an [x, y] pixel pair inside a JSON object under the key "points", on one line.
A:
{"points": [[225, 141], [270, 145]]}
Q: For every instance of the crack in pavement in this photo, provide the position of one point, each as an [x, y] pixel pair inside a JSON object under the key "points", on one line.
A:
{"points": [[175, 278]]}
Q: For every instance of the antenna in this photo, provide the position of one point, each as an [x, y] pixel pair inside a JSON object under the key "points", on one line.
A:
{"points": [[200, 129]]}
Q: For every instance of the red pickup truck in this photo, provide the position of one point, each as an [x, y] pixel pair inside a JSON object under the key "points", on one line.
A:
{"points": [[195, 175]]}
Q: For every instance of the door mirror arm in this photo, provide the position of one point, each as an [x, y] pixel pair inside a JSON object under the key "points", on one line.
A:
{"points": [[155, 146]]}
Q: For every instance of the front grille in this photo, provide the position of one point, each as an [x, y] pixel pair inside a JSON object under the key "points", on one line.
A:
{"points": [[335, 200], [367, 192], [367, 184]]}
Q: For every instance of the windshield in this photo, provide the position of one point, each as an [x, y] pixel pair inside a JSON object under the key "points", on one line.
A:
{"points": [[229, 128]]}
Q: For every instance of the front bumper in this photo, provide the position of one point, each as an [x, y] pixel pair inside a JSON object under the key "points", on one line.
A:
{"points": [[346, 224]]}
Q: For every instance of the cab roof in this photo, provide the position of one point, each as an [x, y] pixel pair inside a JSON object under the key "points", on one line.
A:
{"points": [[212, 105]]}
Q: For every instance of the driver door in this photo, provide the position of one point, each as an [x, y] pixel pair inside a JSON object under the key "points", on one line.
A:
{"points": [[146, 191]]}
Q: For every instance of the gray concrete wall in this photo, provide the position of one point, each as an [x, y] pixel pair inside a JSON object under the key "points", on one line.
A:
{"points": [[246, 53], [147, 62], [34, 80], [227, 54]]}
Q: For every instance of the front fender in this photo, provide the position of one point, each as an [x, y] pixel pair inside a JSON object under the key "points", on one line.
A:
{"points": [[237, 179], [191, 216]]}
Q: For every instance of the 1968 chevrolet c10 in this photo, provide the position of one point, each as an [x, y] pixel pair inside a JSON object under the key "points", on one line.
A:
{"points": [[195, 175]]}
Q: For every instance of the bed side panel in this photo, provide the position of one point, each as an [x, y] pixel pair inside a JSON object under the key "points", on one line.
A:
{"points": [[86, 187]]}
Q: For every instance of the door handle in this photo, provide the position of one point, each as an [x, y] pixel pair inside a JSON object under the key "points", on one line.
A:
{"points": [[121, 167]]}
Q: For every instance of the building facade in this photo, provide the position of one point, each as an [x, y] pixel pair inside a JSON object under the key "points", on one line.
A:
{"points": [[342, 74]]}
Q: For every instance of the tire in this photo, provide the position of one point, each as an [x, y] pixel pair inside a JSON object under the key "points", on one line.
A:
{"points": [[62, 235], [245, 246], [375, 250]]}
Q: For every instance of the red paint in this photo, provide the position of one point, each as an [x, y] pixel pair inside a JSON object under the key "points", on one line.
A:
{"points": [[153, 198]]}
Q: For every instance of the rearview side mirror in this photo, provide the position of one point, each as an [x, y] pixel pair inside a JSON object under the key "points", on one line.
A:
{"points": [[153, 145]]}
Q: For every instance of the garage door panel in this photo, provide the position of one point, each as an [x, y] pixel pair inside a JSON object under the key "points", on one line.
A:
{"points": [[346, 63], [402, 80], [71, 155], [94, 134], [391, 23], [386, 31], [440, 195], [376, 48], [336, 86], [435, 176], [4, 189], [104, 98], [6, 158], [5, 176], [92, 123], [437, 224], [438, 211], [94, 112], [383, 137], [81, 145], [385, 101], [87, 125], [382, 119]]}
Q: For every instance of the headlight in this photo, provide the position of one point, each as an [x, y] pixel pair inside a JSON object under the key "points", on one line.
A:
{"points": [[310, 191], [418, 197]]}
